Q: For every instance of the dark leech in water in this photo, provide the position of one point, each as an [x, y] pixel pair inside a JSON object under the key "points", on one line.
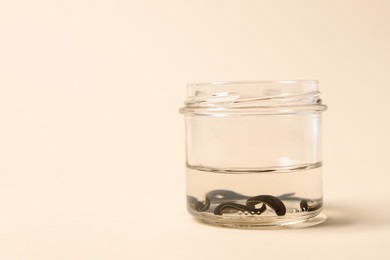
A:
{"points": [[273, 202], [290, 196], [305, 206], [202, 206], [221, 208], [227, 203], [229, 206], [258, 210], [225, 196], [191, 200]]}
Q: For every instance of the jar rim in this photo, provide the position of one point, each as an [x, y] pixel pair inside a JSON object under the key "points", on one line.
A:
{"points": [[253, 97], [249, 82]]}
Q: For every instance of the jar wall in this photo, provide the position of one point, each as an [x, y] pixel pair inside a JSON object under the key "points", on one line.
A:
{"points": [[253, 142]]}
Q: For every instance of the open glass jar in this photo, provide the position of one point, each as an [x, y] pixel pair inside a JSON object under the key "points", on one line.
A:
{"points": [[254, 153]]}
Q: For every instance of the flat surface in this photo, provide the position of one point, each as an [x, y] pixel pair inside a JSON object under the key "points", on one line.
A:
{"points": [[92, 144]]}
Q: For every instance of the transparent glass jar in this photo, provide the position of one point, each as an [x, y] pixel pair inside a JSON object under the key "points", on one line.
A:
{"points": [[254, 153]]}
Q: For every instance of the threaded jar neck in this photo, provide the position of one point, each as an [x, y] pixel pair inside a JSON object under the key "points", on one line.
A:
{"points": [[253, 98]]}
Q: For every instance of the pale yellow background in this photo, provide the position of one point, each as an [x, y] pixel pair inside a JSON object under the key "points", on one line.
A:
{"points": [[92, 145]]}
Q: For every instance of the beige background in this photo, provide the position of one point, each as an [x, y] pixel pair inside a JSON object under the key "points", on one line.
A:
{"points": [[92, 145]]}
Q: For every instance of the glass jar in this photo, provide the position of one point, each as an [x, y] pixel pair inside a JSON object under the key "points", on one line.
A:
{"points": [[254, 153]]}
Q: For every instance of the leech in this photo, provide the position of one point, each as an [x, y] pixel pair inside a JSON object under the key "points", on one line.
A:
{"points": [[285, 195], [260, 210], [289, 196], [225, 195], [273, 202], [202, 206], [305, 206], [230, 205], [267, 200], [219, 210]]}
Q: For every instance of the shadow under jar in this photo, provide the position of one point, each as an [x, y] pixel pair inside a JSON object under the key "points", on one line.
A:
{"points": [[254, 153]]}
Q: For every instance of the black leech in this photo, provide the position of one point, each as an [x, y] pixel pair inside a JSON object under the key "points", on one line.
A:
{"points": [[225, 196], [260, 210], [305, 206], [273, 202], [231, 205], [202, 206]]}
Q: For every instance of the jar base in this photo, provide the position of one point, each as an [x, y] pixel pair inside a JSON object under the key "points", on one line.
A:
{"points": [[303, 222]]}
